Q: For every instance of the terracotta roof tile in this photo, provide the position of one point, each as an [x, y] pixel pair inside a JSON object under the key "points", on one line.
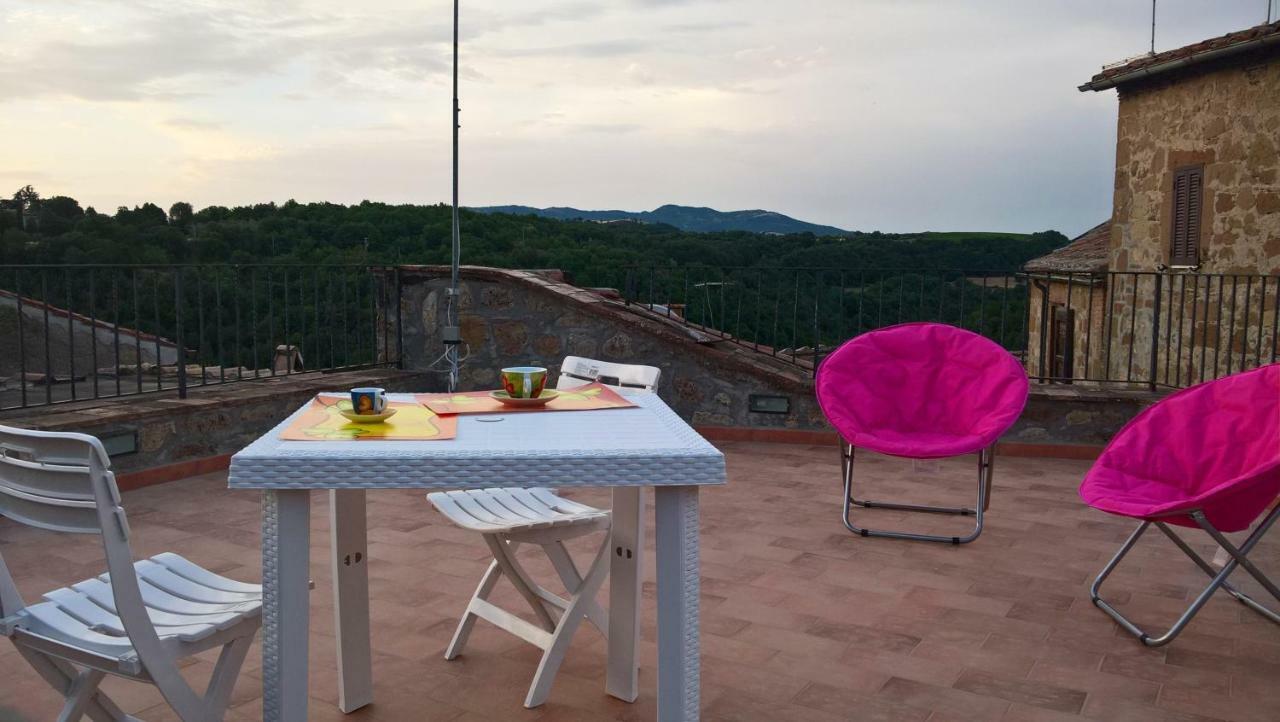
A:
{"points": [[1112, 74], [1087, 253]]}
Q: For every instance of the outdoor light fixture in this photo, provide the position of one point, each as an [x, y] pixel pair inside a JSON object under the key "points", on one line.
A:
{"points": [[119, 443], [765, 404]]}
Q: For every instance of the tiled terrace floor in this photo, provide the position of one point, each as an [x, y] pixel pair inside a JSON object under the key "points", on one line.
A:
{"points": [[801, 621]]}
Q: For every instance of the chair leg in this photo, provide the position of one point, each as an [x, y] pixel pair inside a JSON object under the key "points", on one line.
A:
{"points": [[1240, 555], [487, 582], [1218, 577], [81, 692], [583, 595], [61, 675], [569, 575], [503, 554], [223, 680], [985, 471]]}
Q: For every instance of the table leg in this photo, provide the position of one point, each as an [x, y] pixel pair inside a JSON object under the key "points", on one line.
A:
{"points": [[286, 540], [676, 510], [625, 550], [350, 556]]}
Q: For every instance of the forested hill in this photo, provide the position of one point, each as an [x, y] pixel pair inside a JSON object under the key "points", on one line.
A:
{"points": [[686, 218], [58, 230]]}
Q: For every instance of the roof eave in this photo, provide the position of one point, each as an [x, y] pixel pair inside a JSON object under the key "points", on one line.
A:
{"points": [[1178, 63]]}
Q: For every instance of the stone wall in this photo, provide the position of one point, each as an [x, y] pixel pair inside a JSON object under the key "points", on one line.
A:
{"points": [[1089, 302], [212, 421], [1078, 415], [1226, 117], [515, 317]]}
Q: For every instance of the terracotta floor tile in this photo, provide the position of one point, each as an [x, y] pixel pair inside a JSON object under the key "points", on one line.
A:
{"points": [[1036, 694], [851, 705], [801, 620], [864, 637], [930, 697]]}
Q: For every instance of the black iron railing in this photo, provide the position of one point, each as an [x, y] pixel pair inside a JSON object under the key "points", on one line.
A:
{"points": [[800, 314], [1161, 330], [75, 332], [1145, 329]]}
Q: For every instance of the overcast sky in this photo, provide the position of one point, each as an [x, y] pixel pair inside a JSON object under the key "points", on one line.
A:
{"points": [[865, 114]]}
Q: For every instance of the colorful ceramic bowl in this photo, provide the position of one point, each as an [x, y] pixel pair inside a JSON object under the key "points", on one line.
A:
{"points": [[524, 382]]}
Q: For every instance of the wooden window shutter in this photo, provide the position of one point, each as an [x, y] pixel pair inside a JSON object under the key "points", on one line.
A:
{"points": [[1188, 197]]}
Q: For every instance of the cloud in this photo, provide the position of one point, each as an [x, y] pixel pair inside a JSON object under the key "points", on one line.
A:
{"points": [[709, 26], [192, 124], [594, 49], [834, 111], [172, 54]]}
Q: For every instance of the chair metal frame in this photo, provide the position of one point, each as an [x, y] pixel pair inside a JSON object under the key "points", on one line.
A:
{"points": [[986, 469], [61, 482], [1238, 558]]}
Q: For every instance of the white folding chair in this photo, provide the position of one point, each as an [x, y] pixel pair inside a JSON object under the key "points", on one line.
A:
{"points": [[576, 371], [136, 621], [508, 518]]}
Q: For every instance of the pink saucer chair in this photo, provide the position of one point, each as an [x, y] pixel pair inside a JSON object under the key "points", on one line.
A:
{"points": [[921, 391], [1207, 457]]}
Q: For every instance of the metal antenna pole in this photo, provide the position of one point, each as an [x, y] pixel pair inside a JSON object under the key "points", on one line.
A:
{"points": [[1153, 27], [452, 320]]}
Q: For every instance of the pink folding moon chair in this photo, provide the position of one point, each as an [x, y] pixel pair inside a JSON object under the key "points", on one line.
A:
{"points": [[921, 391], [1207, 457]]}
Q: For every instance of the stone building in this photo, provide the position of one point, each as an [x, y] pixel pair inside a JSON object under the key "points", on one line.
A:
{"points": [[1068, 305], [1194, 239]]}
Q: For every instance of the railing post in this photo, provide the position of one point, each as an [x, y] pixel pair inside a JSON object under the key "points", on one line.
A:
{"points": [[399, 320], [177, 334], [1044, 322], [1155, 330]]}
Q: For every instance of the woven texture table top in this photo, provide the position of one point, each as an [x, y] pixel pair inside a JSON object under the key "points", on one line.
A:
{"points": [[648, 445]]}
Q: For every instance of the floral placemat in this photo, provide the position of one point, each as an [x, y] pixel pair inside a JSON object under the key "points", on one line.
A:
{"points": [[583, 398], [320, 421]]}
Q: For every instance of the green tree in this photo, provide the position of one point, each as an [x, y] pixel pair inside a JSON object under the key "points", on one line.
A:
{"points": [[27, 201], [143, 216], [58, 215], [181, 215]]}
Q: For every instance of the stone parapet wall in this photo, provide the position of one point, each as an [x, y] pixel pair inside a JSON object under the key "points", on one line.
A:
{"points": [[212, 421], [517, 317]]}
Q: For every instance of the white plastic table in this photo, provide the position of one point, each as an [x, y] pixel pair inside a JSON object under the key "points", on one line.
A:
{"points": [[626, 449]]}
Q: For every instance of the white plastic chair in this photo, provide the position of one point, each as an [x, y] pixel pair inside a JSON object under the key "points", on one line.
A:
{"points": [[508, 518], [138, 620], [576, 371]]}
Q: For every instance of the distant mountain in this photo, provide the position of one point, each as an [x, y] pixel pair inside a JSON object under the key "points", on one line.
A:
{"points": [[686, 218]]}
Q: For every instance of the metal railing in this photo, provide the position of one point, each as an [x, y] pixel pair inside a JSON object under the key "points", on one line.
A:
{"points": [[76, 332], [1143, 329], [1157, 329], [800, 314]]}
